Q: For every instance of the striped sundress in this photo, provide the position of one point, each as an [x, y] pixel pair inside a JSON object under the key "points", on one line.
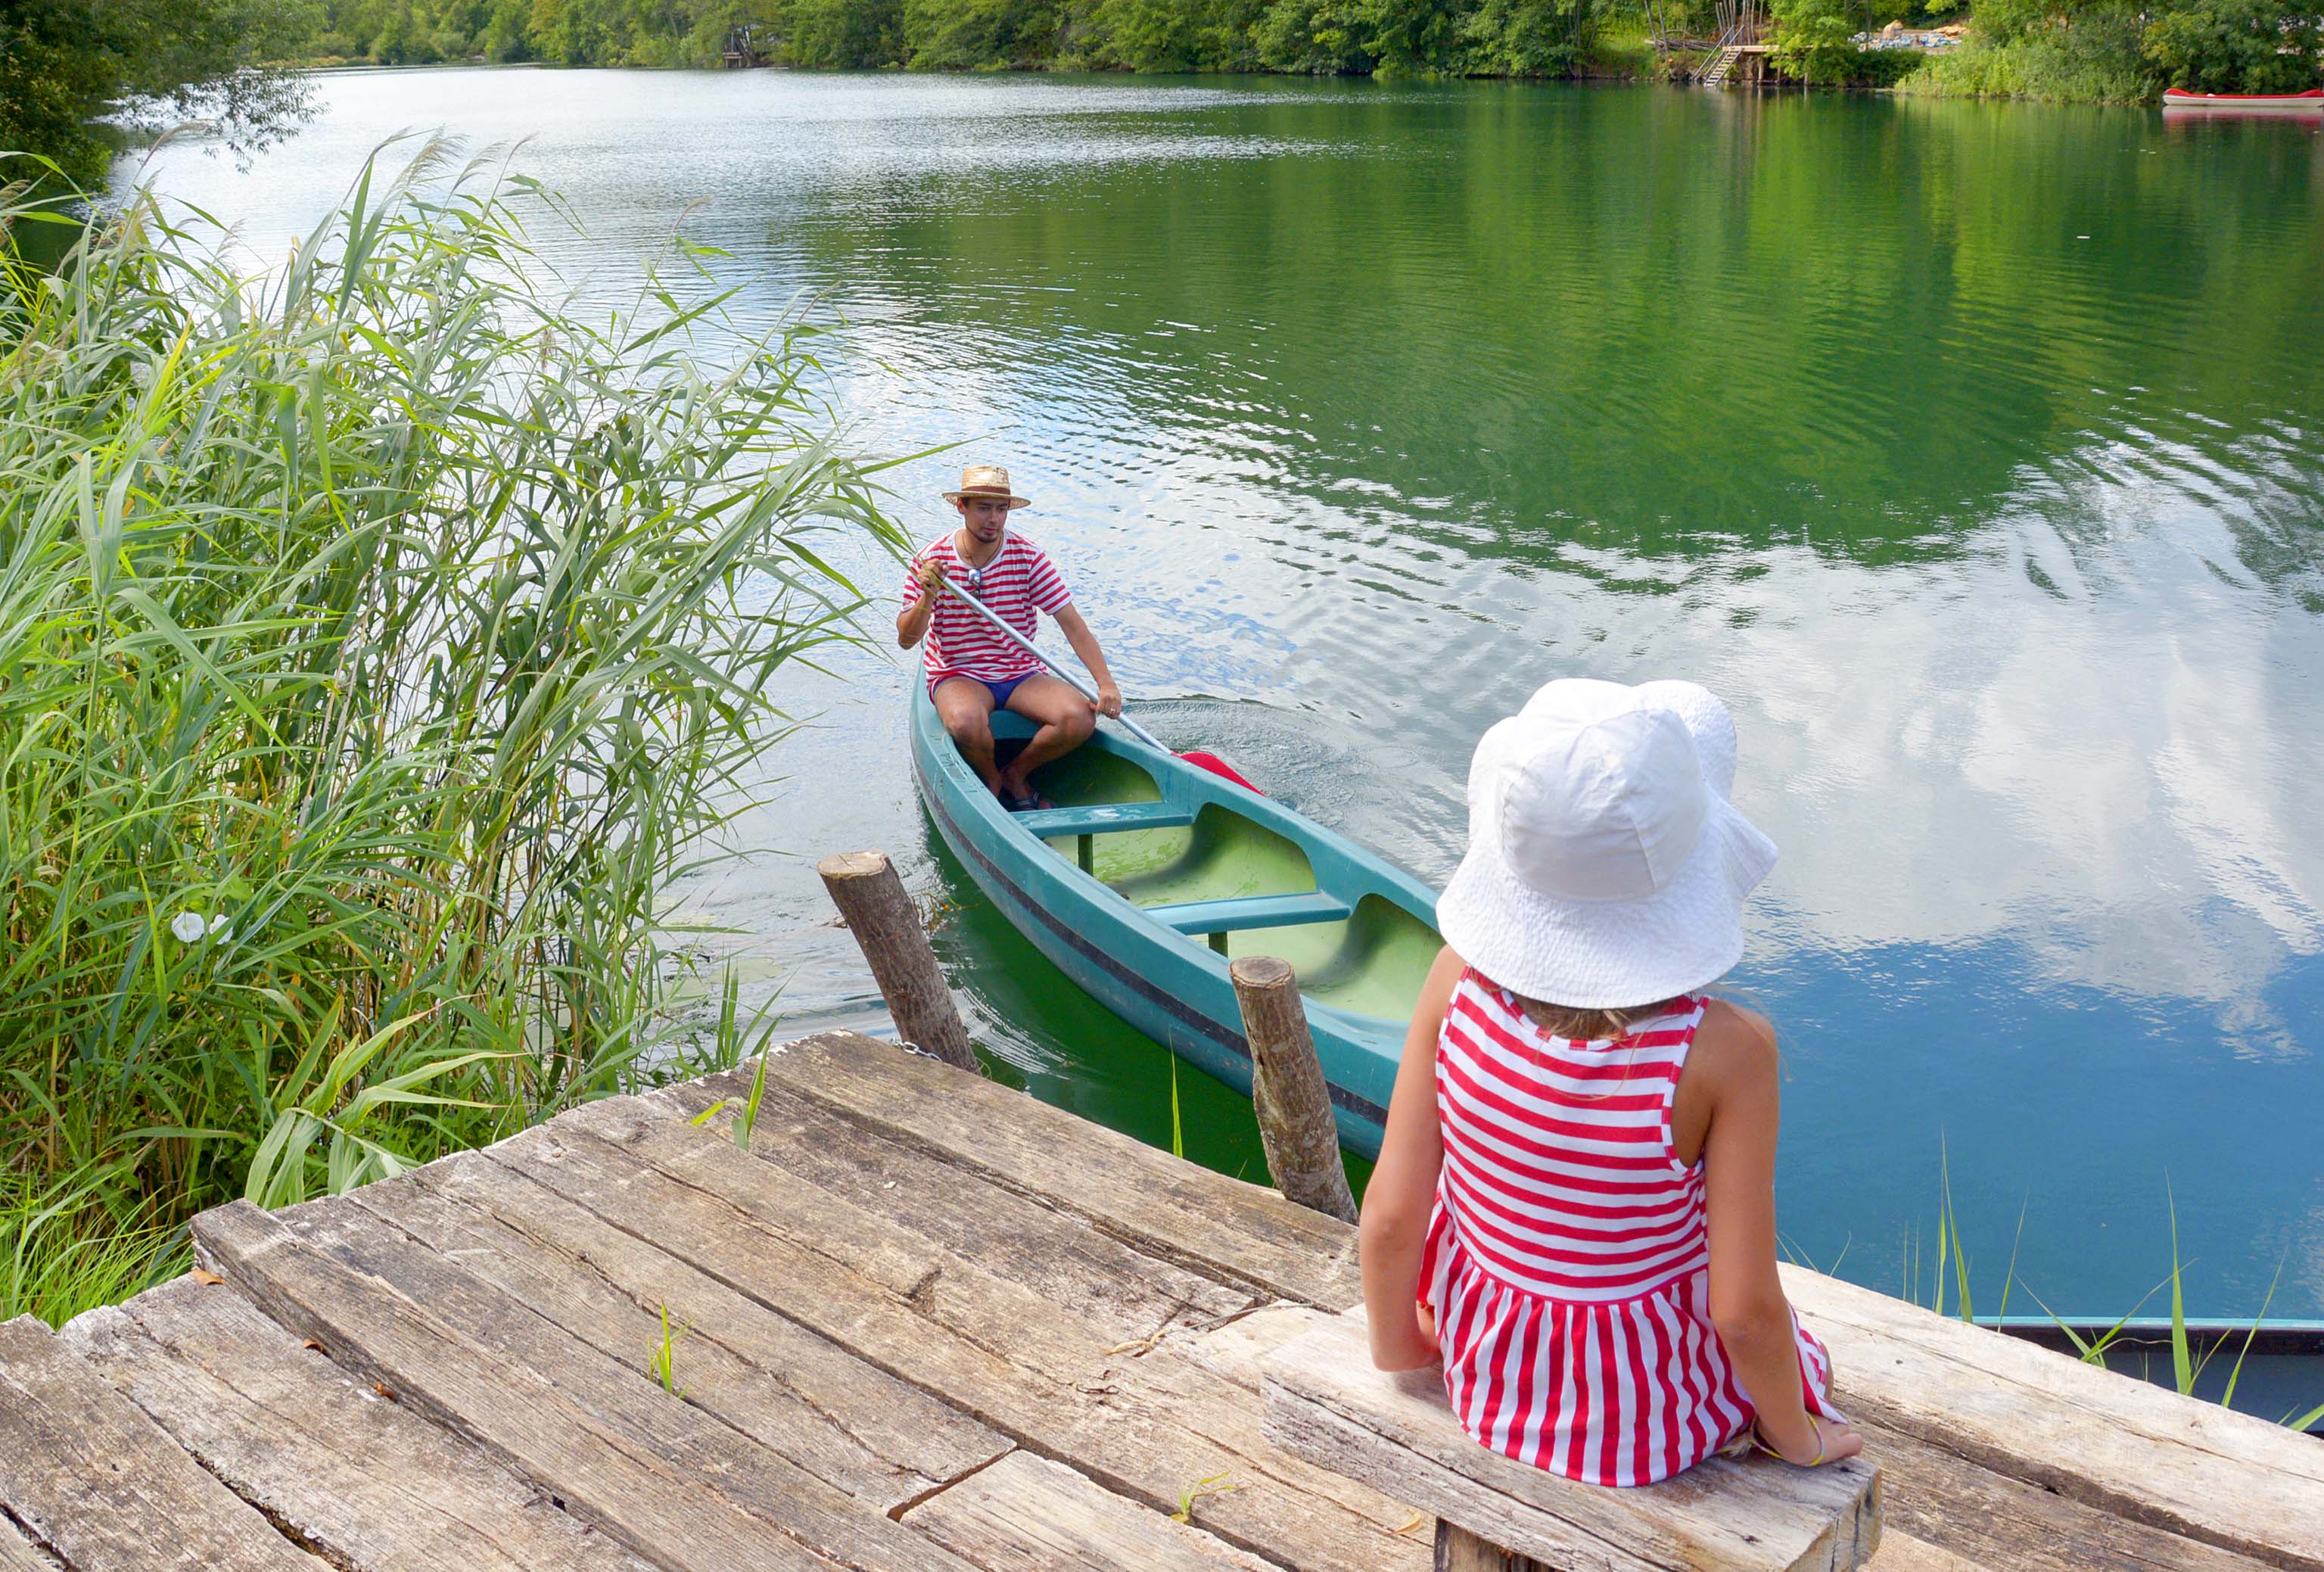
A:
{"points": [[1567, 1263]]}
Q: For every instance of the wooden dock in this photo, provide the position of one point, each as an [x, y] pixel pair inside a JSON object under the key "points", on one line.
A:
{"points": [[923, 1323]]}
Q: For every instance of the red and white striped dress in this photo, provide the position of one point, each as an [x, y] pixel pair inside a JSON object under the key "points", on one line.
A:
{"points": [[1020, 581], [1567, 1262]]}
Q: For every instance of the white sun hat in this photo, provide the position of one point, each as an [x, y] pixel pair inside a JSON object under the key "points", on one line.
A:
{"points": [[1606, 867]]}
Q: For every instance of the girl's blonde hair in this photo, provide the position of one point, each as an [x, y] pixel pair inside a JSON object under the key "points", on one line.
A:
{"points": [[1588, 1025]]}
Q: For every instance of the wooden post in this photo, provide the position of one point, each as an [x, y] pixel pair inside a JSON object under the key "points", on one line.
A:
{"points": [[1459, 1550], [871, 898], [1287, 1089]]}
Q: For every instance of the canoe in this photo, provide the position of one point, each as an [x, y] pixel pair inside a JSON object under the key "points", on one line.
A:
{"points": [[2310, 102], [1150, 874]]}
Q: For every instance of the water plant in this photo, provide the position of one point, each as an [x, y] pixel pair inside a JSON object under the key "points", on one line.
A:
{"points": [[380, 642]]}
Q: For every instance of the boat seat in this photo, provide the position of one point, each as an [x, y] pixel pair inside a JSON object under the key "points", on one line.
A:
{"points": [[1104, 818], [1252, 912]]}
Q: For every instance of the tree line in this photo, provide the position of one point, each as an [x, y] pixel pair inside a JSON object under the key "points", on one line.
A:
{"points": [[1499, 38], [2124, 51]]}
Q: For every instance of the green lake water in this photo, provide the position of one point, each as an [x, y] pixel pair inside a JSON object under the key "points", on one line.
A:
{"points": [[1974, 453]]}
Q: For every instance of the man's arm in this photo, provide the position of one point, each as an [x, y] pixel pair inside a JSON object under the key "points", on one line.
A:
{"points": [[912, 622], [1084, 642]]}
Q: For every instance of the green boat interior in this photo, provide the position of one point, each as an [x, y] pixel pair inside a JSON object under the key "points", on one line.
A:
{"points": [[1223, 879]]}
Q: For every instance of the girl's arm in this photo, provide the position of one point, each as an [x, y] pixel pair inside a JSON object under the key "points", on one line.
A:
{"points": [[1403, 1188], [1747, 1305]]}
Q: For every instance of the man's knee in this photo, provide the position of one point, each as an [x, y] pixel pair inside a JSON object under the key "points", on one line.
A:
{"points": [[969, 729]]}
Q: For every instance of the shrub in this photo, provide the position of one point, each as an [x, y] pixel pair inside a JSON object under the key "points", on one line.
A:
{"points": [[2238, 46], [377, 648]]}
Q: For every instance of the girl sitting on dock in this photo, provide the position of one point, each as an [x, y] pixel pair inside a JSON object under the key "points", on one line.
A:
{"points": [[1574, 1205]]}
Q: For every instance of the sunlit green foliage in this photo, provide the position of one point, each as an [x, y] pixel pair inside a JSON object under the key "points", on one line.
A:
{"points": [[2238, 46], [67, 65], [377, 648]]}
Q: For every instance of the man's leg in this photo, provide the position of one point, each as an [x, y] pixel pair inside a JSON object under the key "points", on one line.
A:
{"points": [[1066, 721], [965, 707]]}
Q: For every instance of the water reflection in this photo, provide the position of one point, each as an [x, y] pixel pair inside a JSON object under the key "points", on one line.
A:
{"points": [[1975, 453]]}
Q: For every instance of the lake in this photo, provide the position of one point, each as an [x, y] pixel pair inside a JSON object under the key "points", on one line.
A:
{"points": [[1974, 453]]}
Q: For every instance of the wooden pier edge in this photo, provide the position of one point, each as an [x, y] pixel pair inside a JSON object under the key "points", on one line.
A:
{"points": [[923, 1321]]}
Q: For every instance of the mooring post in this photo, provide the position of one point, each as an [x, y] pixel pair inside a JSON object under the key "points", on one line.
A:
{"points": [[1287, 1089], [870, 899]]}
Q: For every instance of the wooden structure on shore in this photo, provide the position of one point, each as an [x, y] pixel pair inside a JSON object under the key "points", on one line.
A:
{"points": [[744, 48], [922, 1323], [1738, 46]]}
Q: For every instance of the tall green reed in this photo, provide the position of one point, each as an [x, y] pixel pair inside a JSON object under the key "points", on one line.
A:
{"points": [[380, 640]]}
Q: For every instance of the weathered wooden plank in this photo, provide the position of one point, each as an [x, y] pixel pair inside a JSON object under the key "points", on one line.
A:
{"points": [[1148, 1428], [1029, 1515], [19, 1554], [97, 1482], [1900, 1552], [652, 1469], [1124, 1292], [367, 1481], [1325, 1402], [1956, 1508], [880, 1439], [1243, 1234], [1941, 1512], [2135, 1450]]}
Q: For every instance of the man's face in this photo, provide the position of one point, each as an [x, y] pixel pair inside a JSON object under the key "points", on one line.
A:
{"points": [[986, 517]]}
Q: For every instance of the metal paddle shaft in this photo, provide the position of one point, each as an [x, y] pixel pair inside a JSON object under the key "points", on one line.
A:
{"points": [[1000, 626]]}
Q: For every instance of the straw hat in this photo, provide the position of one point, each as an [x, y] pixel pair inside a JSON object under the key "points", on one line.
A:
{"points": [[1606, 867], [987, 480]]}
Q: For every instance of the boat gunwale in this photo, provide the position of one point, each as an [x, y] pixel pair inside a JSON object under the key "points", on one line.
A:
{"points": [[1195, 788]]}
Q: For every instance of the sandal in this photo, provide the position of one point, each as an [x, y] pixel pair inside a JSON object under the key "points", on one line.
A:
{"points": [[1758, 1443]]}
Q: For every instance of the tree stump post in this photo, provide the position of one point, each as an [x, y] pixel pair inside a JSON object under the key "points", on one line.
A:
{"points": [[871, 900], [1287, 1089], [1459, 1550]]}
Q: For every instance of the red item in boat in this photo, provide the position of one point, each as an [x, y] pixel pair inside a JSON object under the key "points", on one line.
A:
{"points": [[1221, 768]]}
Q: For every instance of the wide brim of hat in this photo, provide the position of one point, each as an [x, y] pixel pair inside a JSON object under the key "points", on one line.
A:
{"points": [[1605, 955], [1014, 501]]}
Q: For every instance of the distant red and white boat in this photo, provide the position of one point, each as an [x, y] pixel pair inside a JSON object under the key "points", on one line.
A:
{"points": [[2308, 103]]}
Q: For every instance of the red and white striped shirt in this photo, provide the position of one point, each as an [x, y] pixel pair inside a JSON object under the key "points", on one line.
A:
{"points": [[1017, 583], [1568, 1262]]}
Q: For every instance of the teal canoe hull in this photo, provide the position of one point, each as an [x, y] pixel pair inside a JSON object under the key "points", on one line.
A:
{"points": [[1154, 964]]}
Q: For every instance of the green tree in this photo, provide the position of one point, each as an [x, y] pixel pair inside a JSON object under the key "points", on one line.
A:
{"points": [[1312, 37], [1812, 40], [2238, 46], [1527, 38], [965, 34], [151, 63], [846, 33]]}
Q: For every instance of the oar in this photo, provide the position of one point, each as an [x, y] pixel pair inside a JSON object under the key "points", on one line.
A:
{"points": [[1198, 758]]}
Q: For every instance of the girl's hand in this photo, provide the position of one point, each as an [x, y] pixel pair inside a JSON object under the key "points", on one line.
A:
{"points": [[1108, 701], [1417, 1349]]}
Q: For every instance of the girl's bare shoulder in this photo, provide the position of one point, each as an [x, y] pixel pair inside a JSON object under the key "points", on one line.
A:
{"points": [[1734, 1045]]}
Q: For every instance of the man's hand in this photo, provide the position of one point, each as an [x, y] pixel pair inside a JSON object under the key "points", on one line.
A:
{"points": [[1108, 701], [931, 575]]}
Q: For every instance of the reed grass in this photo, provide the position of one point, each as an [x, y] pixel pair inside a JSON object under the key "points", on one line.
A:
{"points": [[380, 642]]}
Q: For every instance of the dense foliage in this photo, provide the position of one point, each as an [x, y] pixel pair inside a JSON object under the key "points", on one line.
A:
{"points": [[377, 649], [2060, 48], [68, 65], [1462, 37], [2128, 50]]}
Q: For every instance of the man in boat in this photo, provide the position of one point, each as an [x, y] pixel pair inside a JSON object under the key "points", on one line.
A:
{"points": [[972, 669]]}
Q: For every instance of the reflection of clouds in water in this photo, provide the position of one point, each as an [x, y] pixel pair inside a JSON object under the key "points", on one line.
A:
{"points": [[2106, 781]]}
